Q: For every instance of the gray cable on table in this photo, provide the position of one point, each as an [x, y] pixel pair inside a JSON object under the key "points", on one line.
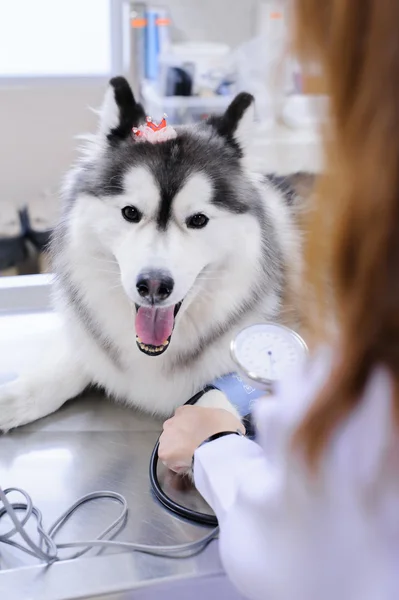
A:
{"points": [[50, 554]]}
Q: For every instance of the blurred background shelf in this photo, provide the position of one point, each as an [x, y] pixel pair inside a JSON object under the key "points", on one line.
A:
{"points": [[181, 109], [221, 47]]}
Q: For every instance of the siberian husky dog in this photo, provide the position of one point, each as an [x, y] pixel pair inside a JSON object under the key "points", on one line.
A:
{"points": [[168, 246]]}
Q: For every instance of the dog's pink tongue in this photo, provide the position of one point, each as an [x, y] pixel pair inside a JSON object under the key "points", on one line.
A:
{"points": [[154, 325]]}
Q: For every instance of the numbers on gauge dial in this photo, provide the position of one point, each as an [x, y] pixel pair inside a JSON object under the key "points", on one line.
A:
{"points": [[268, 351]]}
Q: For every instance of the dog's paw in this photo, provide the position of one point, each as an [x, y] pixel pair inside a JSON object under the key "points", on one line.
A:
{"points": [[183, 481], [18, 405], [217, 399]]}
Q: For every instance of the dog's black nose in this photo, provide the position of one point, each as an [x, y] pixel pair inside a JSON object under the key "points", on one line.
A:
{"points": [[155, 286]]}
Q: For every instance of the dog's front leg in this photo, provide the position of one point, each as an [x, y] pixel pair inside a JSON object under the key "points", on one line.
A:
{"points": [[57, 377], [217, 399]]}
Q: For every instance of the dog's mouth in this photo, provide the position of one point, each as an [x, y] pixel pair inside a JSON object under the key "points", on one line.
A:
{"points": [[154, 328]]}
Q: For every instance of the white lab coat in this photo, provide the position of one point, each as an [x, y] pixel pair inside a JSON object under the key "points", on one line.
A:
{"points": [[286, 536]]}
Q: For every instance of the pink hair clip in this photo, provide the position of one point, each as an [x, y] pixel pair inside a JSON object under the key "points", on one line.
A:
{"points": [[153, 133]]}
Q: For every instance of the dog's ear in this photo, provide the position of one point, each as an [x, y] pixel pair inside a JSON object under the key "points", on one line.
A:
{"points": [[237, 123], [120, 112]]}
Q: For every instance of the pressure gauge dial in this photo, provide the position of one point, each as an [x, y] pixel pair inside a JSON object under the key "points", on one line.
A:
{"points": [[267, 353]]}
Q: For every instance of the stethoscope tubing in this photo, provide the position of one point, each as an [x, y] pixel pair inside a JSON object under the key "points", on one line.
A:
{"points": [[163, 498]]}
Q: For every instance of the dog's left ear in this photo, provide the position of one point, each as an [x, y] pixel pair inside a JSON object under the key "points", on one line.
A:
{"points": [[120, 112], [237, 123]]}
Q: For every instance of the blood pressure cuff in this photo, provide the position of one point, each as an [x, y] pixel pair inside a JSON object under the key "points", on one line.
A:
{"points": [[241, 395]]}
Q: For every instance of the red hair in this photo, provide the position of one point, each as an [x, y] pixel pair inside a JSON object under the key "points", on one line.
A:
{"points": [[353, 246]]}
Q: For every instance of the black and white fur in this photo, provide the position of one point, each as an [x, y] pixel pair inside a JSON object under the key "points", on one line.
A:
{"points": [[230, 274]]}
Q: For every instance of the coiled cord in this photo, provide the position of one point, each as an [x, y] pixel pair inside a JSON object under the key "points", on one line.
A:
{"points": [[47, 549], [46, 538]]}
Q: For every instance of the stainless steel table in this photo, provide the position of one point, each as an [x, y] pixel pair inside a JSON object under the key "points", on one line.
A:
{"points": [[93, 444]]}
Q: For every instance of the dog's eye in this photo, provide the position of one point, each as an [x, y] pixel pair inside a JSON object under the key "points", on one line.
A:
{"points": [[131, 214], [198, 221]]}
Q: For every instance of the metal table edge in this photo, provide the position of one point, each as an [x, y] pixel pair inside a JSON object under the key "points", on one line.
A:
{"points": [[25, 293]]}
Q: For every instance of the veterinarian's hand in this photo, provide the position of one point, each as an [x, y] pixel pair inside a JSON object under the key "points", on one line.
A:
{"points": [[192, 425]]}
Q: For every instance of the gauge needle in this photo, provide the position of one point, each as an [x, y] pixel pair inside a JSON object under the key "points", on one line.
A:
{"points": [[271, 362]]}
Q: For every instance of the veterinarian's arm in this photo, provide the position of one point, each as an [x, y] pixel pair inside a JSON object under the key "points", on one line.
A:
{"points": [[224, 466], [234, 470], [258, 490], [239, 480]]}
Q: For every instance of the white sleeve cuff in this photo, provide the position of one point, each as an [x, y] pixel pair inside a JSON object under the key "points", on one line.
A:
{"points": [[219, 467]]}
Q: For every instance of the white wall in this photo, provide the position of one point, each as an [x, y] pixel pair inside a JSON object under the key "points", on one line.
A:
{"points": [[229, 21], [38, 122], [37, 128]]}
